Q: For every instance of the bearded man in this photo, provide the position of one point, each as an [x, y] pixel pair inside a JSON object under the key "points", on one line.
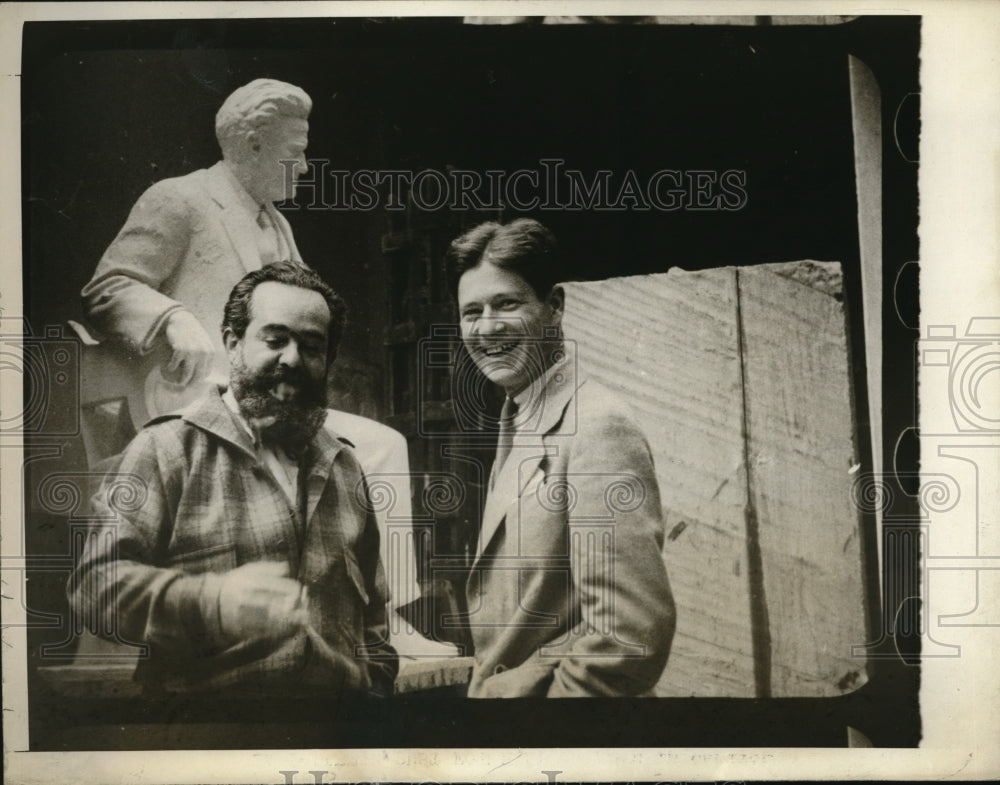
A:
{"points": [[157, 292], [236, 539]]}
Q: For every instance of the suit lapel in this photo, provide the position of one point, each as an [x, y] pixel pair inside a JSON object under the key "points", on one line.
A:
{"points": [[526, 455], [239, 226], [522, 462]]}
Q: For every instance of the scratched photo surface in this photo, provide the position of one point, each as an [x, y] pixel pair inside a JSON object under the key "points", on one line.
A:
{"points": [[735, 202]]}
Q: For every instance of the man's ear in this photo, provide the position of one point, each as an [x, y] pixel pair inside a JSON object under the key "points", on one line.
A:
{"points": [[556, 301], [253, 142], [230, 340]]}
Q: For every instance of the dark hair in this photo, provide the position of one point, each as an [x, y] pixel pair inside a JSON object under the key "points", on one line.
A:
{"points": [[236, 315], [523, 246]]}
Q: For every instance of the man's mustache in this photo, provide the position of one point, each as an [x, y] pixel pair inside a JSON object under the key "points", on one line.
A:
{"points": [[294, 376]]}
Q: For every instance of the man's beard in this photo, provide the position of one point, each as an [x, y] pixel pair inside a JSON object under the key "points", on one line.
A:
{"points": [[289, 424]]}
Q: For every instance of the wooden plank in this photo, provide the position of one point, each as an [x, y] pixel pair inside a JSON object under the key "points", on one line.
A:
{"points": [[669, 344], [693, 361], [712, 650], [801, 448]]}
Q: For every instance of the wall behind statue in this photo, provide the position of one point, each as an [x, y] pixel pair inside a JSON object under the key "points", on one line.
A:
{"points": [[107, 114]]}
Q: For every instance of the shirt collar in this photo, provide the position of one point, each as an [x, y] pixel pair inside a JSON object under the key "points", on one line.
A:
{"points": [[325, 442], [213, 416], [531, 397]]}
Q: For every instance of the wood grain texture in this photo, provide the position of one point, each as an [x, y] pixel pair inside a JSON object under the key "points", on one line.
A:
{"points": [[800, 426], [746, 401], [668, 344]]}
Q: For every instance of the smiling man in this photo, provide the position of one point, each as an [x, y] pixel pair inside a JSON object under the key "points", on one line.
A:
{"points": [[568, 595], [236, 539]]}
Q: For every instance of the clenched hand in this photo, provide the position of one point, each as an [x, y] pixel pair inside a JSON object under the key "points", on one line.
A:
{"points": [[259, 600]]}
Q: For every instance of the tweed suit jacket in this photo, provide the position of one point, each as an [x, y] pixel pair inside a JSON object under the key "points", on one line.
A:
{"points": [[186, 243], [189, 498], [568, 595]]}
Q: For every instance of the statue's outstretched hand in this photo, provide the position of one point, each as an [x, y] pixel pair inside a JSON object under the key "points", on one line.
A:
{"points": [[192, 349]]}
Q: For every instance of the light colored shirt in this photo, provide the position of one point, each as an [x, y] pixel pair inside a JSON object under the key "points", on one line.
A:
{"points": [[531, 399]]}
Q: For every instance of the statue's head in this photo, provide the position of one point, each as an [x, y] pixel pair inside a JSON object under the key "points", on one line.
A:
{"points": [[260, 125]]}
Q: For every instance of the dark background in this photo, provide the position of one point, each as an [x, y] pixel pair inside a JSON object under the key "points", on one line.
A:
{"points": [[124, 106], [109, 108]]}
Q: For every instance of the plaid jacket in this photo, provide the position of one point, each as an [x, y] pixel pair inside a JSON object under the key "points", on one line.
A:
{"points": [[188, 498]]}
